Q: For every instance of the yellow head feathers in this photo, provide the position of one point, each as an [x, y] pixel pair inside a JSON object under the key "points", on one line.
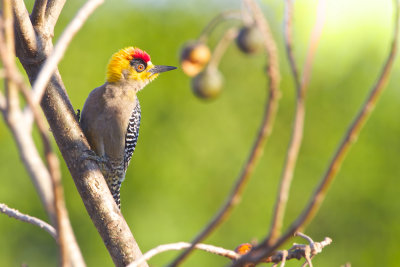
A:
{"points": [[133, 65], [121, 66]]}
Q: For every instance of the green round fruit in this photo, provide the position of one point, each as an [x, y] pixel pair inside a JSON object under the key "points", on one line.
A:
{"points": [[250, 40], [208, 84]]}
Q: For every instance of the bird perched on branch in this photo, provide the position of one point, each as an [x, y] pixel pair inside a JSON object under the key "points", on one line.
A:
{"points": [[111, 115]]}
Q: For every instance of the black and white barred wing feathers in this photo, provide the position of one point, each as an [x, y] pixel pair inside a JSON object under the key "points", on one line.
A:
{"points": [[132, 134]]}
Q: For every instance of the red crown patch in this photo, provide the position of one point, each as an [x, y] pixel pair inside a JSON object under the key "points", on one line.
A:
{"points": [[140, 54]]}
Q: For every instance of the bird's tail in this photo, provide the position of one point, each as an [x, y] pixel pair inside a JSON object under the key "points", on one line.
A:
{"points": [[115, 191], [114, 176]]}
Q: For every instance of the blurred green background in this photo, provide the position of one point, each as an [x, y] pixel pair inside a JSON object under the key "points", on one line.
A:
{"points": [[190, 151]]}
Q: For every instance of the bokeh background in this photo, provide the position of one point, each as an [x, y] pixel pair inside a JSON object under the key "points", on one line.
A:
{"points": [[190, 151]]}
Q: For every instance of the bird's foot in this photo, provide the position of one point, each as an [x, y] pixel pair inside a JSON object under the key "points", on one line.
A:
{"points": [[91, 155]]}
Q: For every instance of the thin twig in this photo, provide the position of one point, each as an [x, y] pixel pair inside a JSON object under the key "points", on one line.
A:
{"points": [[55, 175], [313, 44], [182, 245], [38, 12], [297, 251], [230, 14], [52, 12], [51, 63], [27, 33], [304, 236], [298, 122], [285, 254], [258, 253], [13, 213], [221, 47], [2, 97], [308, 259], [2, 102], [289, 42], [7, 25], [263, 134]]}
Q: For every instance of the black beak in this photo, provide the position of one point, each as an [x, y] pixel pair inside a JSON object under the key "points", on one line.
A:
{"points": [[161, 68]]}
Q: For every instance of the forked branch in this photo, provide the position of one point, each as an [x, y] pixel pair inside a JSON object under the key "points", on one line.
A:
{"points": [[51, 63]]}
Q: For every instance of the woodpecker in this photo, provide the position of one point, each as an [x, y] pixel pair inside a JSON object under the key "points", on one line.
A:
{"points": [[110, 118]]}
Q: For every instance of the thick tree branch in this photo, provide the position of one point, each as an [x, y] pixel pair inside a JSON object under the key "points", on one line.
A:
{"points": [[260, 141], [74, 148], [13, 213]]}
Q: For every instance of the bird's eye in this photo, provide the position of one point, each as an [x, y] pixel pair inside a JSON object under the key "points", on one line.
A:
{"points": [[140, 67]]}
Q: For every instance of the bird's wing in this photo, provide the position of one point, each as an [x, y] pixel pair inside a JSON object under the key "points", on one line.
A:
{"points": [[132, 134]]}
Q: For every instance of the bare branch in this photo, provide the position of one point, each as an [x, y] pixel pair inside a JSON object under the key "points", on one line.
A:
{"points": [[297, 251], [61, 211], [7, 26], [29, 155], [38, 12], [24, 25], [2, 102], [231, 14], [53, 203], [87, 176], [51, 63], [313, 44], [285, 255], [66, 239], [182, 245], [263, 134], [2, 97], [289, 42], [13, 213], [269, 44], [261, 251], [298, 122], [53, 10], [304, 236], [221, 47]]}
